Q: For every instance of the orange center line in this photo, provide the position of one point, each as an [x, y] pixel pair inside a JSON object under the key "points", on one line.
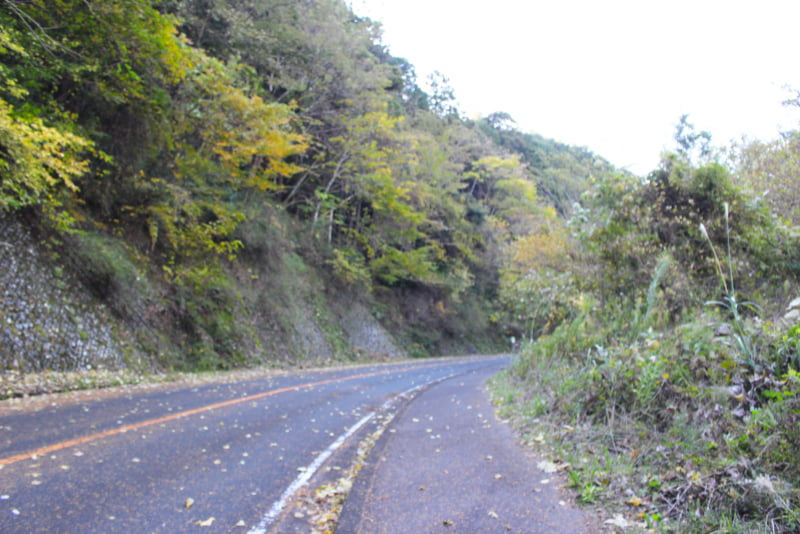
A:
{"points": [[136, 426]]}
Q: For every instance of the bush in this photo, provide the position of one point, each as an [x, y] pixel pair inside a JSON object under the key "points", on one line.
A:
{"points": [[106, 268], [666, 368]]}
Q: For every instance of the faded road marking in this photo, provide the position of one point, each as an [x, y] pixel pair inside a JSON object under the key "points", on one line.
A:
{"points": [[308, 472], [136, 426]]}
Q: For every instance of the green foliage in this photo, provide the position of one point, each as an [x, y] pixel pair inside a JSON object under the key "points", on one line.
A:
{"points": [[39, 160], [105, 266], [188, 144], [537, 287], [769, 169], [181, 135], [208, 301], [714, 385], [111, 64], [349, 266], [217, 121], [560, 172], [395, 265]]}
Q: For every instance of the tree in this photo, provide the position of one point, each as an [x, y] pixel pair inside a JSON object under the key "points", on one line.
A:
{"points": [[442, 98], [770, 170], [561, 172], [691, 143], [539, 283], [38, 163]]}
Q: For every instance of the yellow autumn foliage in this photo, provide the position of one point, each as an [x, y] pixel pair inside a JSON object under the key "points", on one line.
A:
{"points": [[36, 160], [541, 250]]}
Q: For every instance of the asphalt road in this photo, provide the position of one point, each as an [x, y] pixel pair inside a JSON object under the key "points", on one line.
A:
{"points": [[448, 465], [222, 457]]}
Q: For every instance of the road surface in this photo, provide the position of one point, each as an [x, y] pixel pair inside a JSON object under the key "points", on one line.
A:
{"points": [[224, 457], [447, 465]]}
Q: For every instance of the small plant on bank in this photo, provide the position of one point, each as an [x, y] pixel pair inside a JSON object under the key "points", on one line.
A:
{"points": [[736, 325]]}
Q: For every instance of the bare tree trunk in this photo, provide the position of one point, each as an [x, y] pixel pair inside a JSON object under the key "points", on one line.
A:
{"points": [[336, 173], [330, 227]]}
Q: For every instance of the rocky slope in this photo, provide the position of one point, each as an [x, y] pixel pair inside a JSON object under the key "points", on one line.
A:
{"points": [[50, 322]]}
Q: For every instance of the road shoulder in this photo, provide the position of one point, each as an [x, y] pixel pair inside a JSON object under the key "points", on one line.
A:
{"points": [[447, 464]]}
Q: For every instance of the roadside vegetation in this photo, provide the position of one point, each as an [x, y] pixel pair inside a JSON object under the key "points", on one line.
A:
{"points": [[662, 367]]}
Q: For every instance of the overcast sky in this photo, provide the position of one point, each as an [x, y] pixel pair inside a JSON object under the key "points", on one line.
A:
{"points": [[611, 75]]}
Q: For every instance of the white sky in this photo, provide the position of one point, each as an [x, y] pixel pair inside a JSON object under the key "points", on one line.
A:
{"points": [[611, 75]]}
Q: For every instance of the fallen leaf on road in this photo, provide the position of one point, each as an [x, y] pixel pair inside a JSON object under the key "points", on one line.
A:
{"points": [[207, 523], [547, 467], [323, 492], [620, 521], [189, 502], [551, 467], [634, 501]]}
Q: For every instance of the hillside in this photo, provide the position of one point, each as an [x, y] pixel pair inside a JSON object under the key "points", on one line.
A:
{"points": [[197, 186]]}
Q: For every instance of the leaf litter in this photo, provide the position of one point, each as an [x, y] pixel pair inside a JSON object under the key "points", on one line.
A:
{"points": [[322, 507]]}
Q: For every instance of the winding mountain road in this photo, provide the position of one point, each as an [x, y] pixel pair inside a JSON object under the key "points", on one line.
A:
{"points": [[217, 457]]}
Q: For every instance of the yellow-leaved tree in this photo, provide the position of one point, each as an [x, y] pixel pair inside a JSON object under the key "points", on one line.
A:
{"points": [[228, 143], [538, 286], [38, 161]]}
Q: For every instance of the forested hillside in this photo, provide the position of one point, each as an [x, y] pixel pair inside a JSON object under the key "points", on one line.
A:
{"points": [[254, 182]]}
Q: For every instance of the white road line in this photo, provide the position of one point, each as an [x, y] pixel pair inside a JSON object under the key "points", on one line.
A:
{"points": [[310, 471], [304, 477]]}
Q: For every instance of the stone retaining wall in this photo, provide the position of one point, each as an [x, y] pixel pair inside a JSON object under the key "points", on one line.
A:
{"points": [[46, 322]]}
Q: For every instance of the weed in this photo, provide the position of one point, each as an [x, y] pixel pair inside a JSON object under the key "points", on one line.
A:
{"points": [[587, 487]]}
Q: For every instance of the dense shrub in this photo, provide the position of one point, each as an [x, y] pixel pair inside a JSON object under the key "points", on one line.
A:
{"points": [[669, 366]]}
